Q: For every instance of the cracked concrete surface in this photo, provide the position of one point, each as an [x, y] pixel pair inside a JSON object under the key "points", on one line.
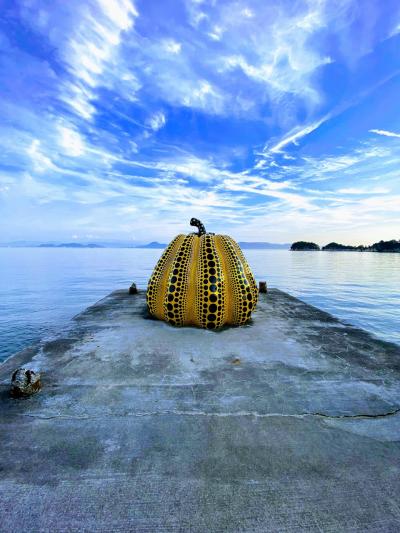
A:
{"points": [[291, 423]]}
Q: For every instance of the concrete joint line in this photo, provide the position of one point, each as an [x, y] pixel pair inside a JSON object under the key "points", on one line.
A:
{"points": [[221, 415]]}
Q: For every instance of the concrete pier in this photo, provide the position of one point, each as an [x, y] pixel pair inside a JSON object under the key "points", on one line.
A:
{"points": [[291, 423]]}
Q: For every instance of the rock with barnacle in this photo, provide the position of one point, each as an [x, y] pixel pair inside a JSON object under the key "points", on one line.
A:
{"points": [[24, 382]]}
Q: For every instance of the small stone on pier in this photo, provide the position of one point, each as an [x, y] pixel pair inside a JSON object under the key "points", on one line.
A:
{"points": [[24, 382], [133, 289], [262, 287]]}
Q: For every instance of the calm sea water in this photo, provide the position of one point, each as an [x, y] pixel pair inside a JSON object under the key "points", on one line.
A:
{"points": [[41, 289]]}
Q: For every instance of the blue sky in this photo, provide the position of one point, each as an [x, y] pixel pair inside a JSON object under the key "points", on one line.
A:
{"points": [[268, 120]]}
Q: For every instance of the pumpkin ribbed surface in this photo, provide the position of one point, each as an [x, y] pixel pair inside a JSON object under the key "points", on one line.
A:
{"points": [[202, 281]]}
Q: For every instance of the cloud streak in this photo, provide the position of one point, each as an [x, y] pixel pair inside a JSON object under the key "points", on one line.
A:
{"points": [[385, 133], [295, 135]]}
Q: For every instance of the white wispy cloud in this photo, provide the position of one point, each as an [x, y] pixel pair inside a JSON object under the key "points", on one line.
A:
{"points": [[385, 133], [202, 95], [247, 12], [40, 160], [361, 160], [134, 147], [395, 31], [296, 134], [120, 12], [216, 33], [273, 48], [267, 188], [157, 121], [358, 190], [172, 46], [276, 47], [70, 141], [90, 49]]}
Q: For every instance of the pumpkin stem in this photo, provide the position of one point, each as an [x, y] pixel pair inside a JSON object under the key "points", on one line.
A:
{"points": [[196, 222]]}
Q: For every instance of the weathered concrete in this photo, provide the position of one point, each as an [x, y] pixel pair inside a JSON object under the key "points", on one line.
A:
{"points": [[289, 424]]}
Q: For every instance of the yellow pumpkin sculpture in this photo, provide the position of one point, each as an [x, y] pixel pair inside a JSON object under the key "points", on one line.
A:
{"points": [[203, 280]]}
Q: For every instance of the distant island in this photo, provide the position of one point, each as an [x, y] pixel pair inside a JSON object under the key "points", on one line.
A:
{"points": [[70, 245], [392, 246], [153, 244], [263, 246], [125, 244], [336, 247], [302, 246]]}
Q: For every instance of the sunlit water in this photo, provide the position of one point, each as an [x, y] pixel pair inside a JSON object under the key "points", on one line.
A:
{"points": [[41, 289]]}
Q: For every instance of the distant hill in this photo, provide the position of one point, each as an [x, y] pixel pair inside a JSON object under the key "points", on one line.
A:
{"points": [[70, 245], [335, 247], [18, 244], [392, 246], [386, 246], [153, 244], [264, 246], [303, 246], [56, 244]]}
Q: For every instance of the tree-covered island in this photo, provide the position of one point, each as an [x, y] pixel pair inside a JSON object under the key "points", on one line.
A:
{"points": [[336, 247], [386, 246], [301, 246], [392, 246]]}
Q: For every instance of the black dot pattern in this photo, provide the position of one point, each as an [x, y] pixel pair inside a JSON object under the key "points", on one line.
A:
{"points": [[210, 297], [249, 275], [176, 297], [244, 301], [203, 281], [161, 270]]}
